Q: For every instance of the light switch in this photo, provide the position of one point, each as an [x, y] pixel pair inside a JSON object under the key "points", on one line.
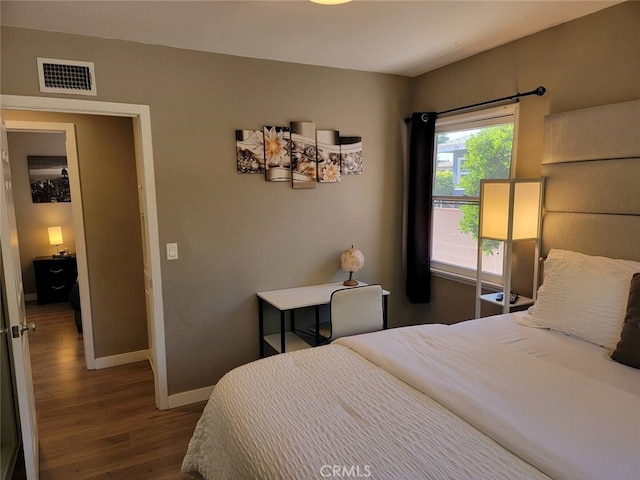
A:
{"points": [[172, 251]]}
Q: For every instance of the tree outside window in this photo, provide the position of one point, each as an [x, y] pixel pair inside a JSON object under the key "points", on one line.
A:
{"points": [[488, 157]]}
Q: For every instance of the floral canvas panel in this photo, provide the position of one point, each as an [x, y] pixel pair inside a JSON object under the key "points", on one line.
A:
{"points": [[328, 155], [277, 154], [351, 155], [250, 151], [303, 154]]}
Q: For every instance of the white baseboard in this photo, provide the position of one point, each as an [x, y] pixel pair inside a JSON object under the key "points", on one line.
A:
{"points": [[121, 359], [192, 396], [30, 297], [176, 400]]}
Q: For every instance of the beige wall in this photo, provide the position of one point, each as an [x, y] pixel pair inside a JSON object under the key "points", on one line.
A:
{"points": [[238, 234], [112, 227], [33, 219], [594, 60]]}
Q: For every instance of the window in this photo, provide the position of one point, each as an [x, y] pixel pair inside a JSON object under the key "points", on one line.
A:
{"points": [[468, 148]]}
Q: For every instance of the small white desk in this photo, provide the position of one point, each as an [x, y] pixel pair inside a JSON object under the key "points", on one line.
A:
{"points": [[290, 299]]}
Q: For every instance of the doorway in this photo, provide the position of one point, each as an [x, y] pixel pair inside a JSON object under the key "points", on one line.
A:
{"points": [[44, 217], [103, 199], [140, 118]]}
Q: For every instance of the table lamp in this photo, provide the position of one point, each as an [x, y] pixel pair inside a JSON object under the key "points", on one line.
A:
{"points": [[55, 238], [351, 260]]}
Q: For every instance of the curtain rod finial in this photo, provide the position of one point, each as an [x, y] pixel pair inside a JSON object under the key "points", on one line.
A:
{"points": [[540, 91]]}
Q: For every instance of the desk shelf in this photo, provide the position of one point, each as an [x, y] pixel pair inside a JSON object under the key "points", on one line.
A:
{"points": [[521, 302], [291, 340]]}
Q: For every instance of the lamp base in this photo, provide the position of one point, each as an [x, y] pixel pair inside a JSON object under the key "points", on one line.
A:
{"points": [[350, 283]]}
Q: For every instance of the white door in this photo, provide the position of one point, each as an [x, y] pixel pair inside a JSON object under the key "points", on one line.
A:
{"points": [[9, 423], [18, 329]]}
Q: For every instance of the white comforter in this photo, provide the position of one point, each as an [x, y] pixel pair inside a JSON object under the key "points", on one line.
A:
{"points": [[422, 415], [566, 424]]}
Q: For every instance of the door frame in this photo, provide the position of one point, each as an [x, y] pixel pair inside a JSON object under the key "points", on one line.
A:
{"points": [[69, 131], [146, 183]]}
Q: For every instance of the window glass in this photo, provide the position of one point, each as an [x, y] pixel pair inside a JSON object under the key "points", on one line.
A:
{"points": [[469, 148]]}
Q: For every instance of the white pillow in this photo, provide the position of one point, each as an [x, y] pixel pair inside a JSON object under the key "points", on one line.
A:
{"points": [[601, 263], [584, 296]]}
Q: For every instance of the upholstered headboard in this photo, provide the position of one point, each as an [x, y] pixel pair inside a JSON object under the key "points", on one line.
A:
{"points": [[591, 161]]}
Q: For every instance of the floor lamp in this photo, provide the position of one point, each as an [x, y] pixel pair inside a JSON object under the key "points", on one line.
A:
{"points": [[510, 211]]}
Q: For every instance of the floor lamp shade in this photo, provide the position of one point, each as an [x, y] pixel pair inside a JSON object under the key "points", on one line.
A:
{"points": [[55, 236], [510, 209]]}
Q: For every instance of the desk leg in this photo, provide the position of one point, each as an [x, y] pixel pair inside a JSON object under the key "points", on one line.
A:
{"points": [[261, 326], [384, 312], [282, 342], [293, 321], [317, 325]]}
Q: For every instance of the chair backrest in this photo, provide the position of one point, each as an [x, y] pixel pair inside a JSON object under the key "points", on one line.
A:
{"points": [[356, 310]]}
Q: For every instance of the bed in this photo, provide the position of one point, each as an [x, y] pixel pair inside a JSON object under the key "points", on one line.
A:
{"points": [[553, 392]]}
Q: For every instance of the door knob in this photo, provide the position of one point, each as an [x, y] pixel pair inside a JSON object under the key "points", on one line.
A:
{"points": [[30, 326]]}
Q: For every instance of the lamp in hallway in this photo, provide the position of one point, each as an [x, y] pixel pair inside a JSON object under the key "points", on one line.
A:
{"points": [[55, 238]]}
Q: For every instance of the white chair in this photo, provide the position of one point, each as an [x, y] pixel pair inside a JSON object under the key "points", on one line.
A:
{"points": [[352, 311]]}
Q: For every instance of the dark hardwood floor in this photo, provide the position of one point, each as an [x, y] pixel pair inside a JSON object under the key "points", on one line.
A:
{"points": [[103, 423]]}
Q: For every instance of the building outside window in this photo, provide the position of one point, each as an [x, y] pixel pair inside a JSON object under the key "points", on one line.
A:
{"points": [[469, 147]]}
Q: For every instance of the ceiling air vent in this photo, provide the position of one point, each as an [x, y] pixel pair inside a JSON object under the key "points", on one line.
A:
{"points": [[66, 76]]}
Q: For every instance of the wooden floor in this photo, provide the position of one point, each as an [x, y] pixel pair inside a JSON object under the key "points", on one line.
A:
{"points": [[103, 423]]}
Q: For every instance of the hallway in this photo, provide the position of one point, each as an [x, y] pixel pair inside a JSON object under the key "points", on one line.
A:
{"points": [[103, 423]]}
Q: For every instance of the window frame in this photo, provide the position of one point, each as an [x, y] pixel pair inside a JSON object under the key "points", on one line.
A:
{"points": [[477, 119]]}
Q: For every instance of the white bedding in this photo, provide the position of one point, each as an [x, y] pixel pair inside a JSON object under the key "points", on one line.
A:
{"points": [[300, 415], [555, 347]]}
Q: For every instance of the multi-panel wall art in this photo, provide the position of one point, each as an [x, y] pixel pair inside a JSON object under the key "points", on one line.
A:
{"points": [[299, 154]]}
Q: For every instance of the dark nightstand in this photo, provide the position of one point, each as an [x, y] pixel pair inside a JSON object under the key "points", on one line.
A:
{"points": [[55, 276]]}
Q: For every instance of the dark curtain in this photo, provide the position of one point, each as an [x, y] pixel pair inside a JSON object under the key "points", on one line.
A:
{"points": [[421, 152]]}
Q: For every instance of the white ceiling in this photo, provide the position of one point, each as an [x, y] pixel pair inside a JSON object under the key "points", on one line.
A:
{"points": [[392, 36]]}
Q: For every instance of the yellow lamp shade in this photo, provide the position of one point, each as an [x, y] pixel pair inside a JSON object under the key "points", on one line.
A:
{"points": [[55, 236], [515, 202]]}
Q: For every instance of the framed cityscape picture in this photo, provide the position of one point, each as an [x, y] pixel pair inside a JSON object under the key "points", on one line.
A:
{"points": [[49, 178]]}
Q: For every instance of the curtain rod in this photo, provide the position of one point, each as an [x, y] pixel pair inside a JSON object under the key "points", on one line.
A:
{"points": [[538, 91]]}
